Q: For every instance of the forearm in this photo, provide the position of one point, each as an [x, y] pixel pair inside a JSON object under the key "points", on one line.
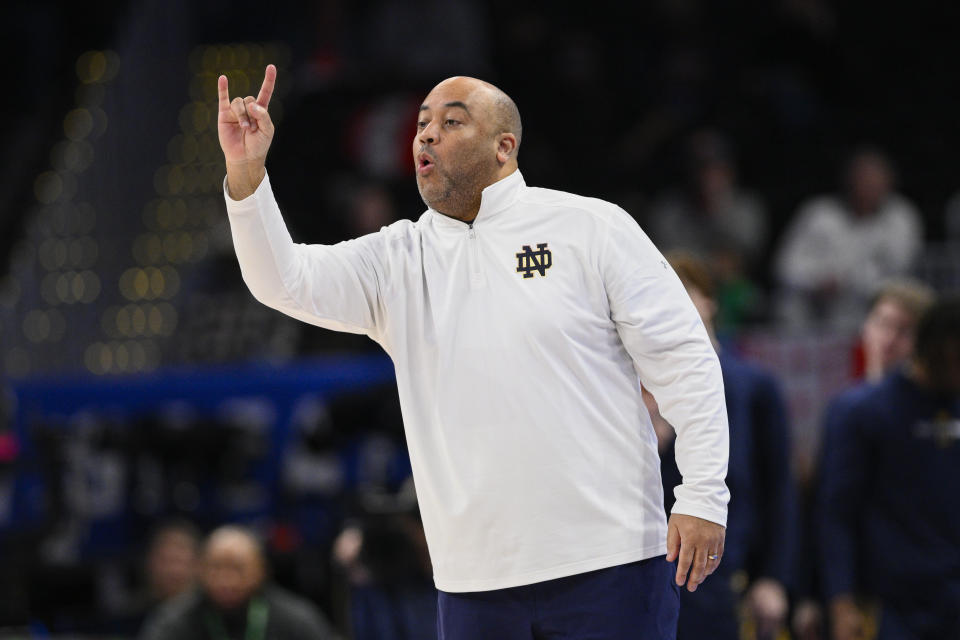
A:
{"points": [[335, 287], [691, 398], [701, 452], [243, 178], [265, 251]]}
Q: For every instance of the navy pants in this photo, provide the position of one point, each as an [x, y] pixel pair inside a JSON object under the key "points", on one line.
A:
{"points": [[636, 601], [710, 611]]}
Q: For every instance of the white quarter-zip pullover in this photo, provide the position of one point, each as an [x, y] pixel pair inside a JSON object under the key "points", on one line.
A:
{"points": [[518, 341]]}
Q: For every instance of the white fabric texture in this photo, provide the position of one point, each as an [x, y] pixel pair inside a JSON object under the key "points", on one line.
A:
{"points": [[533, 455]]}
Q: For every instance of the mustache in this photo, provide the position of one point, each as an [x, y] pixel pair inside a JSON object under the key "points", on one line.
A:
{"points": [[423, 150]]}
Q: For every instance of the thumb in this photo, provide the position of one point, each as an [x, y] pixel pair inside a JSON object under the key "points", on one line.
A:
{"points": [[673, 541]]}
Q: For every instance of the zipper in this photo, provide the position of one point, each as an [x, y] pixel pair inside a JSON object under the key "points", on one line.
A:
{"points": [[476, 275]]}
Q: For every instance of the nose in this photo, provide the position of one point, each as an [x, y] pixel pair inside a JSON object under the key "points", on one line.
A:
{"points": [[429, 134]]}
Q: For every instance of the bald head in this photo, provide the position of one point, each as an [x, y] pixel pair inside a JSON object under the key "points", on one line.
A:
{"points": [[496, 108], [234, 566]]}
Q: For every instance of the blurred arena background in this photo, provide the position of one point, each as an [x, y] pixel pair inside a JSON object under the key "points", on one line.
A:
{"points": [[143, 385]]}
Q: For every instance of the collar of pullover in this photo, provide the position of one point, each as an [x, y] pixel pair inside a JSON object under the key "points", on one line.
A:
{"points": [[495, 198]]}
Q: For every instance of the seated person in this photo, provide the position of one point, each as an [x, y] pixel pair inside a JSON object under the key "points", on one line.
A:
{"points": [[172, 561], [235, 601]]}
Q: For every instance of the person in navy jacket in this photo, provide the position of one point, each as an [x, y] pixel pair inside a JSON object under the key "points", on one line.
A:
{"points": [[889, 505], [762, 508], [886, 342]]}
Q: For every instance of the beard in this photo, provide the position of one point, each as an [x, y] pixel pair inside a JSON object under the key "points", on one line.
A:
{"points": [[456, 191]]}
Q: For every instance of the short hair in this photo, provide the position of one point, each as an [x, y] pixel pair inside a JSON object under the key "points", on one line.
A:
{"points": [[507, 115], [913, 296], [938, 337], [692, 271]]}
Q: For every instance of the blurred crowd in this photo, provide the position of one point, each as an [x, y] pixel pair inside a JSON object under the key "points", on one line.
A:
{"points": [[866, 545]]}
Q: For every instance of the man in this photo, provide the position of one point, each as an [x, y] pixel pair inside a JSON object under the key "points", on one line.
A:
{"points": [[172, 562], [518, 320], [715, 217], [838, 250], [889, 508], [760, 525], [890, 326], [234, 601], [886, 342]]}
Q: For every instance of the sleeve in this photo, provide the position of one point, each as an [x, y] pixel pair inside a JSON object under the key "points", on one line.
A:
{"points": [[900, 241], [777, 493], [842, 483], [906, 240], [675, 361], [336, 287], [911, 238]]}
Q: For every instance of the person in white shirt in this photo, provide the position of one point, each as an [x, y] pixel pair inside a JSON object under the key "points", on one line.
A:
{"points": [[838, 251], [522, 323]]}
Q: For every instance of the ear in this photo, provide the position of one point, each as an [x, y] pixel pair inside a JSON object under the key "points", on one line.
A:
{"points": [[506, 148]]}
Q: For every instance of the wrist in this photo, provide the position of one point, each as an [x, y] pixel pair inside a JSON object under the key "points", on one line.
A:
{"points": [[243, 178]]}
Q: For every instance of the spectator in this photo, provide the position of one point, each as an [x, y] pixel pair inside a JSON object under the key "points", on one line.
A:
{"points": [[384, 561], [169, 570], [890, 326], [837, 251], [714, 217], [172, 561], [235, 600], [758, 546], [887, 340], [889, 529]]}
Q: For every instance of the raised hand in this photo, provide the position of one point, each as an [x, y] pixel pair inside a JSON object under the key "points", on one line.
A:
{"points": [[245, 131]]}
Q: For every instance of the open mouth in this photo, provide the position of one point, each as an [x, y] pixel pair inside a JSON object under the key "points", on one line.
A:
{"points": [[424, 162]]}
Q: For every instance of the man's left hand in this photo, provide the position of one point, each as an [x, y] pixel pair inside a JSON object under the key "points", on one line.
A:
{"points": [[696, 542]]}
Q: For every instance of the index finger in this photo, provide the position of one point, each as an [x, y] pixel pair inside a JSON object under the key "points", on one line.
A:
{"points": [[223, 93], [266, 90]]}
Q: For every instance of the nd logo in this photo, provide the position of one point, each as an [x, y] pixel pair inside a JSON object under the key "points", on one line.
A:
{"points": [[529, 260]]}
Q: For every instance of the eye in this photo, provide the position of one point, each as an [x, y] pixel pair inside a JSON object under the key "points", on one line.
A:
{"points": [[421, 124], [451, 122]]}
